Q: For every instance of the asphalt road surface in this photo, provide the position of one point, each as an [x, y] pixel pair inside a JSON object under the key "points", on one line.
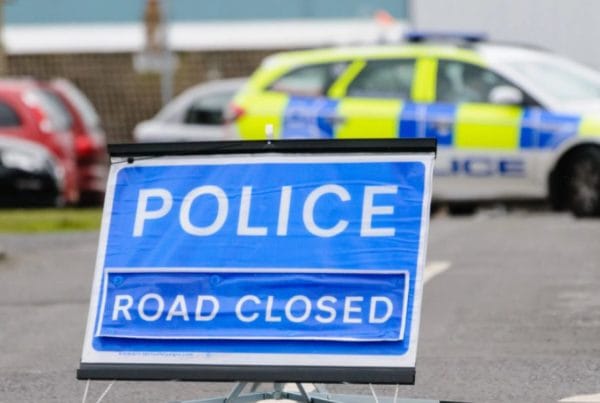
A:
{"points": [[511, 313]]}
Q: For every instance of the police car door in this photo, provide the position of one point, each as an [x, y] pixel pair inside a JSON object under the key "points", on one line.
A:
{"points": [[479, 156], [373, 96], [309, 112]]}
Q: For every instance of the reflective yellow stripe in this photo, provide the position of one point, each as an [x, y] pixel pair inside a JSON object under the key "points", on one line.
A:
{"points": [[326, 55], [459, 55], [338, 89], [423, 89], [589, 127], [487, 126], [368, 118], [260, 111]]}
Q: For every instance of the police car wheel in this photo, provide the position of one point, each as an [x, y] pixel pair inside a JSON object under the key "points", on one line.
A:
{"points": [[583, 188], [462, 208]]}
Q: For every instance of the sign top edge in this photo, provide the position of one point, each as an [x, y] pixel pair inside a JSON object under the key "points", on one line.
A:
{"points": [[417, 145]]}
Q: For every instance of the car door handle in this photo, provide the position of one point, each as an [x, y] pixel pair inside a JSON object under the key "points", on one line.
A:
{"points": [[336, 119], [442, 125]]}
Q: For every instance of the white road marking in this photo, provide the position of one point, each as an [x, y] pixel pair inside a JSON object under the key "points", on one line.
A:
{"points": [[433, 269], [582, 399]]}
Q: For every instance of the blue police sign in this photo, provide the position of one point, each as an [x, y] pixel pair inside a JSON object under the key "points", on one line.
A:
{"points": [[269, 259]]}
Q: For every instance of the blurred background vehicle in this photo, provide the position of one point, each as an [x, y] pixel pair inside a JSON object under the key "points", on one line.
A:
{"points": [[89, 140], [512, 122], [197, 114], [29, 174], [29, 111]]}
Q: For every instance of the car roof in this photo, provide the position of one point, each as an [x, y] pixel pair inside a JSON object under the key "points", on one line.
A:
{"points": [[18, 83], [509, 50], [9, 142], [221, 84], [468, 52]]}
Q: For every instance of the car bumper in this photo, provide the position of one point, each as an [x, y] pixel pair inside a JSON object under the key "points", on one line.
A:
{"points": [[25, 189]]}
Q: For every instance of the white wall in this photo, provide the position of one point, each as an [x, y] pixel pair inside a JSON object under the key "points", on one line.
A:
{"points": [[277, 34], [569, 27]]}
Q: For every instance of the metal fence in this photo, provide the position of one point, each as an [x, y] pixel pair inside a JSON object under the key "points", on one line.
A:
{"points": [[122, 96]]}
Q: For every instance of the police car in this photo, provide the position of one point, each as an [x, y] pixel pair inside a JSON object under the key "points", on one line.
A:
{"points": [[512, 122]]}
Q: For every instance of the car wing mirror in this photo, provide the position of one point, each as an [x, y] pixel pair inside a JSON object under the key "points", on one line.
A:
{"points": [[506, 95]]}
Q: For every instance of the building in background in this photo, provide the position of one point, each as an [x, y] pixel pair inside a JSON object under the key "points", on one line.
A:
{"points": [[115, 25], [567, 27], [93, 42]]}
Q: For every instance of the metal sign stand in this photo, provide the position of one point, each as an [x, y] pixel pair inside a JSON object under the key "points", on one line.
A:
{"points": [[302, 396], [278, 393]]}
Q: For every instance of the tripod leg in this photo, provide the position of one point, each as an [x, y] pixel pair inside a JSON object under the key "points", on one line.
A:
{"points": [[303, 392], [235, 392]]}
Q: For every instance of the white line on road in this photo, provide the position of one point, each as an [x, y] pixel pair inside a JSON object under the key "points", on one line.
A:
{"points": [[582, 399], [433, 269]]}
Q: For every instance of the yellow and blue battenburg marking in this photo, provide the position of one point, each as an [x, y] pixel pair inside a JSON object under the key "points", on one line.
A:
{"points": [[308, 117], [546, 130], [462, 126], [413, 114]]}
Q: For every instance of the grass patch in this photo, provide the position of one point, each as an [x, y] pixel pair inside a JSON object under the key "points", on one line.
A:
{"points": [[50, 220]]}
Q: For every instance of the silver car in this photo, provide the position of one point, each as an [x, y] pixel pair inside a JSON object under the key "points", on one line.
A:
{"points": [[197, 114]]}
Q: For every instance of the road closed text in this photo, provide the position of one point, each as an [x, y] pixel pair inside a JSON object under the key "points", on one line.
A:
{"points": [[251, 308], [240, 305]]}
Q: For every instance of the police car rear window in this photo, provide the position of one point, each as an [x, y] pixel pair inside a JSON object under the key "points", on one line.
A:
{"points": [[384, 79], [313, 80], [463, 82]]}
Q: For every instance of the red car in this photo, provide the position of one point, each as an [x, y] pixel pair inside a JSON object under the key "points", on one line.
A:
{"points": [[89, 138], [30, 111]]}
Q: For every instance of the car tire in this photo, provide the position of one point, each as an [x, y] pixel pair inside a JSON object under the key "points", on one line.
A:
{"points": [[462, 208], [582, 187]]}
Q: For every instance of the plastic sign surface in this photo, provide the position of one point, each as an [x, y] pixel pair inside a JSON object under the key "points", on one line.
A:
{"points": [[261, 260]]}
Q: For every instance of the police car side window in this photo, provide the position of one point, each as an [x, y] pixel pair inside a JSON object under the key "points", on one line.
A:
{"points": [[384, 79], [463, 82], [313, 80]]}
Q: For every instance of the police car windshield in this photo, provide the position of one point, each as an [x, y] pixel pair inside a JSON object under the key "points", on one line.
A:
{"points": [[561, 79]]}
